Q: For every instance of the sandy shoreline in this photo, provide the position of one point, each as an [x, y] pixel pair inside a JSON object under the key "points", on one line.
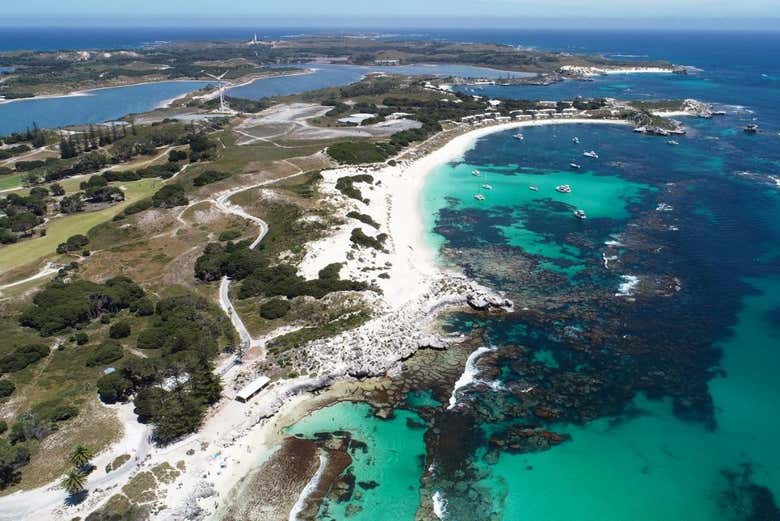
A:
{"points": [[236, 438]]}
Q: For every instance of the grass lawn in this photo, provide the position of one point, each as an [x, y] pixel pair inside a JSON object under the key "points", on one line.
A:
{"points": [[10, 181], [26, 252]]}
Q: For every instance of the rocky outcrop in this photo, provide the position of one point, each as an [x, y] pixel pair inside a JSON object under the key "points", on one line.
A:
{"points": [[483, 301], [378, 347]]}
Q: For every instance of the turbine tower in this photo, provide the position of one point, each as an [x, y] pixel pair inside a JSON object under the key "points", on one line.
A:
{"points": [[221, 86]]}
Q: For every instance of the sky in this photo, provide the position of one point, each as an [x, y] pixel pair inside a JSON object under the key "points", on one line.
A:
{"points": [[377, 12]]}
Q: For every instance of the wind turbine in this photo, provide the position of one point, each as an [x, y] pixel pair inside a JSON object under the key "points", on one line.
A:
{"points": [[221, 85]]}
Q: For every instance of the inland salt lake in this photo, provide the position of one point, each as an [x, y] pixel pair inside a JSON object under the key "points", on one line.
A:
{"points": [[696, 438], [108, 104]]}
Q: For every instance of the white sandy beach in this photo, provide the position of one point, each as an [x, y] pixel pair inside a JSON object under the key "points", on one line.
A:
{"points": [[234, 439]]}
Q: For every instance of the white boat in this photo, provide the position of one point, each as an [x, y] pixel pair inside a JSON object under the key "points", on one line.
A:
{"points": [[487, 187], [575, 140], [479, 197], [591, 154], [673, 142], [575, 166], [533, 188], [579, 214], [751, 129], [475, 173], [564, 189], [519, 136]]}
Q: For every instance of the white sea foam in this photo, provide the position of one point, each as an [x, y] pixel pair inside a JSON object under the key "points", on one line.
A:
{"points": [[307, 491], [469, 375], [628, 285], [439, 505]]}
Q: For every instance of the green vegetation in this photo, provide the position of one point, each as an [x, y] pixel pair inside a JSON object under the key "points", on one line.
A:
{"points": [[346, 185], [273, 309], [209, 176], [7, 388], [170, 196], [184, 331], [67, 305], [359, 238], [119, 330], [12, 459], [105, 354], [80, 456], [74, 243], [74, 482], [357, 152], [303, 336], [22, 357], [229, 235], [367, 219]]}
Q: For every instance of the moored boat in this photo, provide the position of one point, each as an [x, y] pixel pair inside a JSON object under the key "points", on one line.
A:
{"points": [[751, 129], [579, 214], [487, 186], [564, 189], [476, 173], [592, 154], [479, 197], [533, 188], [575, 166]]}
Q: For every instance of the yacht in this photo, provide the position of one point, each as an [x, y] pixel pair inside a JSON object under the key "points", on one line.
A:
{"points": [[751, 129], [533, 188], [575, 166], [579, 214], [519, 136], [672, 142], [475, 173], [487, 186], [591, 154], [479, 197], [575, 140], [564, 189]]}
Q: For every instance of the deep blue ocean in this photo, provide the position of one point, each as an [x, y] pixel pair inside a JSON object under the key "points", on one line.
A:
{"points": [[646, 338]]}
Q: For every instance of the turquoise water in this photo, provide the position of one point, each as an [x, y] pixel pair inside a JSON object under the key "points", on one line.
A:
{"points": [[655, 466], [393, 459], [602, 197]]}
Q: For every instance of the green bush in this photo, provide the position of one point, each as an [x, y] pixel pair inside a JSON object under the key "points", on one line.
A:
{"points": [[357, 152], [60, 305], [7, 388], [74, 243], [23, 357], [359, 238], [169, 196], [119, 330], [177, 155], [81, 338], [273, 309], [209, 176], [114, 387], [229, 235], [367, 219], [105, 354], [346, 185]]}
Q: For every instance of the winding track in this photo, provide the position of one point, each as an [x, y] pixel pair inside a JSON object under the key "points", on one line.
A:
{"points": [[44, 501]]}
